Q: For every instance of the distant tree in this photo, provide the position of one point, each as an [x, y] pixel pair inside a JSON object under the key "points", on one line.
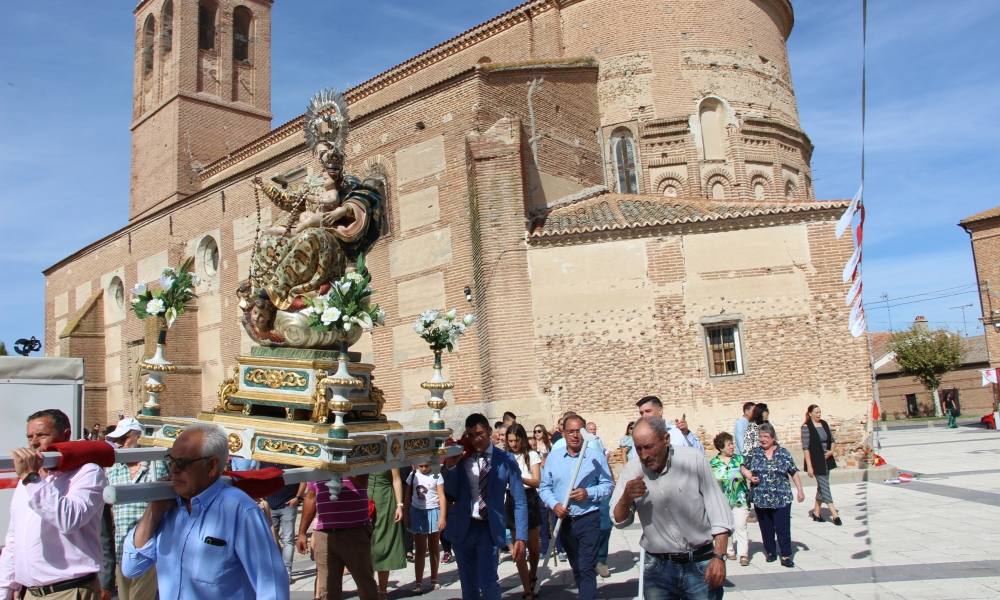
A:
{"points": [[3, 349], [927, 355]]}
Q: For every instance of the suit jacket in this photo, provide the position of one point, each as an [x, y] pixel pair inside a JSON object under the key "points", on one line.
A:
{"points": [[504, 473]]}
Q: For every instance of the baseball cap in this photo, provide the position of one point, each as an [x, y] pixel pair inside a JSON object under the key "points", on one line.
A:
{"points": [[124, 427]]}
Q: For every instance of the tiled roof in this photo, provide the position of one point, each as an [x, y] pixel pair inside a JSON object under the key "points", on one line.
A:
{"points": [[986, 214], [611, 211]]}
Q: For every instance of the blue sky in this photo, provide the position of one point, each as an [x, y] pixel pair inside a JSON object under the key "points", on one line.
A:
{"points": [[65, 105]]}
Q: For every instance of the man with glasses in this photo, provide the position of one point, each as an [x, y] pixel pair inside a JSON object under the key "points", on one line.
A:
{"points": [[478, 481], [126, 435], [212, 540], [580, 531], [58, 511]]}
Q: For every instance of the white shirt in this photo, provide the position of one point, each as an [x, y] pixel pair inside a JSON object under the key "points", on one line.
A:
{"points": [[424, 490], [55, 529], [471, 466], [533, 459]]}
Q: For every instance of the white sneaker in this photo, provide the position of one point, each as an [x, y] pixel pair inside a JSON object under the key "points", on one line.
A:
{"points": [[602, 570]]}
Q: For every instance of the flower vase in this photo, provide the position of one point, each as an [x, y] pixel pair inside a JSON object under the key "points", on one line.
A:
{"points": [[437, 386], [156, 366], [339, 386]]}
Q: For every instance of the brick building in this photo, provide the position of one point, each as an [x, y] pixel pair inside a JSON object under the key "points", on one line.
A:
{"points": [[631, 214], [984, 234], [902, 396]]}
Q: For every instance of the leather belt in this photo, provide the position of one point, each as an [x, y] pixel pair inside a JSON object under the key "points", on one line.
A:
{"points": [[695, 555], [62, 586]]}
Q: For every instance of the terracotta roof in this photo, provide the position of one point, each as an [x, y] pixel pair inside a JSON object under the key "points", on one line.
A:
{"points": [[986, 214], [611, 211], [973, 352]]}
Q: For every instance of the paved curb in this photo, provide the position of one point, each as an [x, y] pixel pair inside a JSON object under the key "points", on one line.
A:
{"points": [[876, 474]]}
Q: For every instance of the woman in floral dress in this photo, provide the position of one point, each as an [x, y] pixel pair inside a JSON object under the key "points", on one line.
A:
{"points": [[769, 467], [726, 468]]}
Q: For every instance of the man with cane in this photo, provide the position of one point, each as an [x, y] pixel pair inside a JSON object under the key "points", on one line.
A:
{"points": [[574, 481], [685, 518]]}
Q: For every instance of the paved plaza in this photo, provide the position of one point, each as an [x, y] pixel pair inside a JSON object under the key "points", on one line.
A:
{"points": [[933, 538]]}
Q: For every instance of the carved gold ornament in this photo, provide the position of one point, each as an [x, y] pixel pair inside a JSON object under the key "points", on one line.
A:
{"points": [[235, 442], [276, 378], [283, 447], [227, 388]]}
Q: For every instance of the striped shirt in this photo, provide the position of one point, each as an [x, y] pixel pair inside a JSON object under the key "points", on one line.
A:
{"points": [[126, 515], [350, 509]]}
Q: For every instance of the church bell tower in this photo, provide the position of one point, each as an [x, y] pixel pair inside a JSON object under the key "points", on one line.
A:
{"points": [[201, 89]]}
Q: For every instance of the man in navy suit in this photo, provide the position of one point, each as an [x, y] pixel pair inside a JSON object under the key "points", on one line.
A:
{"points": [[478, 482]]}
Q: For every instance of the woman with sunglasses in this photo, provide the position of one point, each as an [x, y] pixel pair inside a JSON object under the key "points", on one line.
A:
{"points": [[543, 443]]}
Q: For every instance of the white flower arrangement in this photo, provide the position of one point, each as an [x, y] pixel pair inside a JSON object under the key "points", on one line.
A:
{"points": [[176, 290], [442, 329], [347, 305]]}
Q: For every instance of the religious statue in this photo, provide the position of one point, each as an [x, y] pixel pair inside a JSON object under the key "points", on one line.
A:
{"points": [[332, 219]]}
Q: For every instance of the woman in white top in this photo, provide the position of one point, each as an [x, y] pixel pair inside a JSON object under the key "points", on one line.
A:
{"points": [[531, 475], [543, 442]]}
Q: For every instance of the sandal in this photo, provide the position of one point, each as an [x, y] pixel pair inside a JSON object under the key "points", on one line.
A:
{"points": [[744, 561], [815, 517], [418, 588]]}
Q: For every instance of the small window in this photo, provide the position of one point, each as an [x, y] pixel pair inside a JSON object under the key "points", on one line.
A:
{"points": [[623, 150], [167, 28], [724, 354], [718, 191], [208, 256], [790, 190], [759, 190], [116, 293], [148, 35], [241, 33], [206, 26], [712, 119]]}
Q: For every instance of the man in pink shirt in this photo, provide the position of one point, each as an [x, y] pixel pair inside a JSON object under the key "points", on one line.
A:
{"points": [[342, 537], [53, 545]]}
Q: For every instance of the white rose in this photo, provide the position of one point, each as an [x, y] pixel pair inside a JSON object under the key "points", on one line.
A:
{"points": [[451, 314], [429, 316], [468, 320], [155, 306], [330, 315]]}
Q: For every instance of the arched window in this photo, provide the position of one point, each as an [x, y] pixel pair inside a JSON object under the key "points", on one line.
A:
{"points": [[669, 187], [167, 28], [759, 188], [718, 190], [712, 117], [116, 293], [790, 190], [623, 150], [148, 34], [206, 25], [242, 17], [207, 258]]}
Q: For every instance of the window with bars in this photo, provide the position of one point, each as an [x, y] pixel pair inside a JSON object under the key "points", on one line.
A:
{"points": [[623, 148], [725, 357]]}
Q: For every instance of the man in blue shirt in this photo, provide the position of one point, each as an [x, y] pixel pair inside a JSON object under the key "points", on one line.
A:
{"points": [[580, 531], [740, 429], [685, 435], [212, 541]]}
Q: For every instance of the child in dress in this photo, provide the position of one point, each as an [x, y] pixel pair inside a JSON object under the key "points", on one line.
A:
{"points": [[424, 515]]}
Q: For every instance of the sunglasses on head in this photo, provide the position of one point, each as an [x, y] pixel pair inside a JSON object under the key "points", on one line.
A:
{"points": [[181, 464]]}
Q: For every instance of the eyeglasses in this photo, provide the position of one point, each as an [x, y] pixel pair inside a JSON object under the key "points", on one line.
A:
{"points": [[539, 431], [181, 464]]}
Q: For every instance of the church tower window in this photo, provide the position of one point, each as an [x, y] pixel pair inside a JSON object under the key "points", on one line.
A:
{"points": [[242, 18], [206, 25], [148, 34], [712, 117], [167, 28], [623, 150]]}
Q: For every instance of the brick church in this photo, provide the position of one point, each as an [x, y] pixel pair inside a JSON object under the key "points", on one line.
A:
{"points": [[624, 214]]}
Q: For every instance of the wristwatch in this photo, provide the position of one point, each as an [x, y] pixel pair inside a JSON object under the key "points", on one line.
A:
{"points": [[300, 498], [721, 557], [32, 477]]}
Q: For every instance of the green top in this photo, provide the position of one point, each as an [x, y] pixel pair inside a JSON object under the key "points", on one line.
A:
{"points": [[734, 486]]}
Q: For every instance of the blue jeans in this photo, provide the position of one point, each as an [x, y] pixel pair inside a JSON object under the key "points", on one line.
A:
{"points": [[283, 520], [580, 537], [477, 563], [603, 544], [666, 580], [776, 523]]}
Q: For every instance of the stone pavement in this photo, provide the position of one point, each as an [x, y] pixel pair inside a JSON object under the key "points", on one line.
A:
{"points": [[933, 538]]}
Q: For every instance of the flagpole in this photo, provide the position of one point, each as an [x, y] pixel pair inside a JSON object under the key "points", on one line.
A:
{"points": [[569, 490]]}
